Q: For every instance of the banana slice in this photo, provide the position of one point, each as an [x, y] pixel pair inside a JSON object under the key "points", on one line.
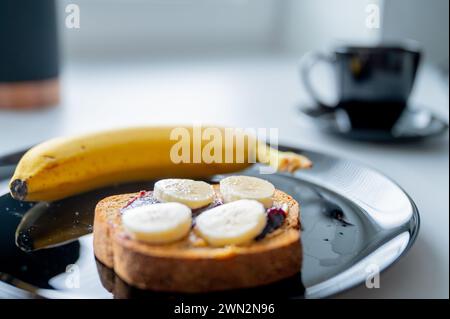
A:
{"points": [[232, 224], [158, 223], [194, 194], [247, 187]]}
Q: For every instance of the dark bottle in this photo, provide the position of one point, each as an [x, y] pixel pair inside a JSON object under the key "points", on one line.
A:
{"points": [[29, 62]]}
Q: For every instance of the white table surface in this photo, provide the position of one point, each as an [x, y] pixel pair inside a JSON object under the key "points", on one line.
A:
{"points": [[258, 92]]}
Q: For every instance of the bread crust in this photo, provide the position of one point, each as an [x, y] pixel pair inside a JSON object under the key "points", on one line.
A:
{"points": [[190, 265]]}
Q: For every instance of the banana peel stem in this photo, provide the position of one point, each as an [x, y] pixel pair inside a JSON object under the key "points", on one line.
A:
{"points": [[282, 161]]}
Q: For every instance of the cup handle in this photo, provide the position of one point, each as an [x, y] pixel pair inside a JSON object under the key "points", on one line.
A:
{"points": [[307, 64]]}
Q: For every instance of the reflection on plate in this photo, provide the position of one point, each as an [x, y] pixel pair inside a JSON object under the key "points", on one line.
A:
{"points": [[354, 221]]}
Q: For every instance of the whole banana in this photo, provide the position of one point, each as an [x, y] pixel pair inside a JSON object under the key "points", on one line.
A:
{"points": [[63, 167]]}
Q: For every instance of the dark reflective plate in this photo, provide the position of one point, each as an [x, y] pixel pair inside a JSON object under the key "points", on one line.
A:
{"points": [[355, 221], [413, 125]]}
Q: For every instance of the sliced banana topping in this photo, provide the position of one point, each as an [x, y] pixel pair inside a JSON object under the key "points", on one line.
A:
{"points": [[246, 187], [234, 223], [194, 194], [158, 223]]}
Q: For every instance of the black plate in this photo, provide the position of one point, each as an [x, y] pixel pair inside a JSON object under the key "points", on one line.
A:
{"points": [[413, 125], [355, 221]]}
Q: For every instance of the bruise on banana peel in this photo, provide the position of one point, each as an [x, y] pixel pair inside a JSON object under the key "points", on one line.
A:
{"points": [[67, 166]]}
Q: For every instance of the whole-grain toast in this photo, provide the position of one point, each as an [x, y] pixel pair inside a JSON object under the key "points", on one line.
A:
{"points": [[191, 265]]}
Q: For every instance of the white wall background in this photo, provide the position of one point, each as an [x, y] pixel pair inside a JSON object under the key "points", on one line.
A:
{"points": [[424, 21], [172, 27], [126, 28], [320, 24]]}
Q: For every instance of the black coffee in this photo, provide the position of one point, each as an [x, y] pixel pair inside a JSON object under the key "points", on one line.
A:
{"points": [[373, 115]]}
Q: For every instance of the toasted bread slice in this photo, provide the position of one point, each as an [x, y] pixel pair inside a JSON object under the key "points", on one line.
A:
{"points": [[191, 265]]}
